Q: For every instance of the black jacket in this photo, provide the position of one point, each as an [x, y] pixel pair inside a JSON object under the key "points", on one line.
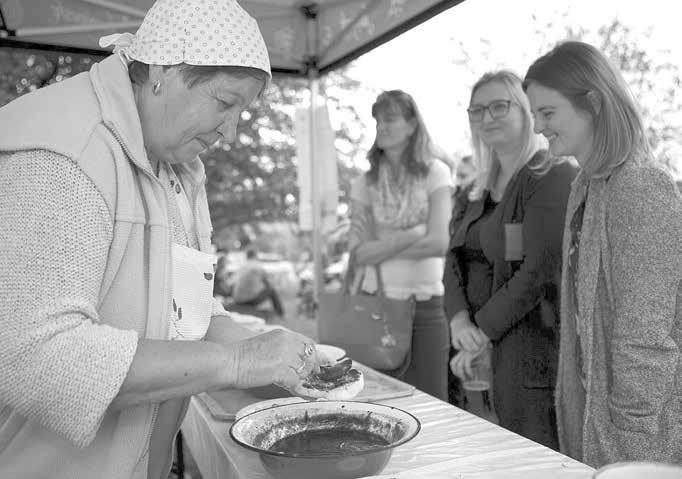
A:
{"points": [[521, 316]]}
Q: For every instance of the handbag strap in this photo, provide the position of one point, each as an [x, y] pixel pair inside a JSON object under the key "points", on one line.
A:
{"points": [[350, 275], [380, 281]]}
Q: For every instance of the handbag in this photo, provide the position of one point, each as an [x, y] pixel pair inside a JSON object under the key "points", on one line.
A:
{"points": [[373, 329]]}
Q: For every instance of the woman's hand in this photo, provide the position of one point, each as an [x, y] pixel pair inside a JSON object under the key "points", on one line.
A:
{"points": [[464, 334], [460, 364], [279, 357], [417, 232]]}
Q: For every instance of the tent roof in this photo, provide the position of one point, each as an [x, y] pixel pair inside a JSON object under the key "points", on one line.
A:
{"points": [[300, 36]]}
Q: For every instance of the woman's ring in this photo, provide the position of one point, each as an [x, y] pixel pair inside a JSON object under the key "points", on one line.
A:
{"points": [[308, 350]]}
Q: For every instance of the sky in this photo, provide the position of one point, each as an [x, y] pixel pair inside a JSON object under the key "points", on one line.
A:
{"points": [[427, 60]]}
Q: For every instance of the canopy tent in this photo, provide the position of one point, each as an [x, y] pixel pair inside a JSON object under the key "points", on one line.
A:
{"points": [[300, 35], [304, 38]]}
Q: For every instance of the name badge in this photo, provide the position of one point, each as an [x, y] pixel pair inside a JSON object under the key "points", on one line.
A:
{"points": [[513, 241]]}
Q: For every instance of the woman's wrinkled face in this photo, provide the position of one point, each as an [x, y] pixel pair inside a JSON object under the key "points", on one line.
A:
{"points": [[181, 122], [499, 132], [568, 130], [393, 129]]}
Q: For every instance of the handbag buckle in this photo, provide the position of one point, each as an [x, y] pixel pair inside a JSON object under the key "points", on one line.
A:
{"points": [[375, 316]]}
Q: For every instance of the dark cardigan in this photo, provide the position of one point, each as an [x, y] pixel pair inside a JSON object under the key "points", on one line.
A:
{"points": [[521, 316]]}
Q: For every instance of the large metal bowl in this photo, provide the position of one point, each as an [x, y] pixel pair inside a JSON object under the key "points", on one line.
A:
{"points": [[260, 430]]}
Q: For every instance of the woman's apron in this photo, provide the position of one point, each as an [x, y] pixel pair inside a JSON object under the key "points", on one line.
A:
{"points": [[192, 276]]}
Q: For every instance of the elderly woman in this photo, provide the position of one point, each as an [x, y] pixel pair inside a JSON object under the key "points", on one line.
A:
{"points": [[105, 288], [619, 382]]}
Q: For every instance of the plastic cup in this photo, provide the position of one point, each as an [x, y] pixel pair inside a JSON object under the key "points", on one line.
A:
{"points": [[477, 387], [481, 373], [638, 470]]}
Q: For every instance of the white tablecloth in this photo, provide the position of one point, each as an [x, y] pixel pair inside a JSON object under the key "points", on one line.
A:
{"points": [[451, 444]]}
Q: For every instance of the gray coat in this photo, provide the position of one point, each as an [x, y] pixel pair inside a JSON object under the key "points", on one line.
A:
{"points": [[627, 404]]}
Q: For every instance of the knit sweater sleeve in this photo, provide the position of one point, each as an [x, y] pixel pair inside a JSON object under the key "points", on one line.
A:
{"points": [[60, 366]]}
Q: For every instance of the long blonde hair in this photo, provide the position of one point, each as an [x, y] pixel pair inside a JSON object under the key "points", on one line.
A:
{"points": [[576, 69], [484, 158]]}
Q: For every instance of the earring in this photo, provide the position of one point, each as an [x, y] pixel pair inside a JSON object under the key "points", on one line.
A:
{"points": [[156, 89]]}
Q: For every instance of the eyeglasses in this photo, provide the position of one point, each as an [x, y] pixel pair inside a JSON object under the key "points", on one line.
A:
{"points": [[497, 109]]}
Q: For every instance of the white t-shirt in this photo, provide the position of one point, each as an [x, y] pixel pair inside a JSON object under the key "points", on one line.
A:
{"points": [[405, 277]]}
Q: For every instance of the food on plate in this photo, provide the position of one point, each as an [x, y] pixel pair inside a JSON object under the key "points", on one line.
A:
{"points": [[336, 381]]}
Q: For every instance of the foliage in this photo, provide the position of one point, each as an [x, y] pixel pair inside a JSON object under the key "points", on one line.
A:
{"points": [[24, 71], [655, 85], [254, 179]]}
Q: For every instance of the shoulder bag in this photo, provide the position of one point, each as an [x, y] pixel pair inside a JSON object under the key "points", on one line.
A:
{"points": [[373, 329]]}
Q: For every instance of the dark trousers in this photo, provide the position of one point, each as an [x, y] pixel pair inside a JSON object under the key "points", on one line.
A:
{"points": [[267, 293], [428, 369]]}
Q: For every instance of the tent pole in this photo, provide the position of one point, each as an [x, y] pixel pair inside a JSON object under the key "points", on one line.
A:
{"points": [[315, 187], [311, 63]]}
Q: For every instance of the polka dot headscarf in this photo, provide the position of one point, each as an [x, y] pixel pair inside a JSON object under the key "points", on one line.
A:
{"points": [[195, 32]]}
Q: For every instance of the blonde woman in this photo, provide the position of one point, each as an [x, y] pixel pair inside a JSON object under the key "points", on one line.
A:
{"points": [[619, 385], [502, 269]]}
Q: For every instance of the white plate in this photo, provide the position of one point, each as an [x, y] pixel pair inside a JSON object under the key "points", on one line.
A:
{"points": [[329, 353], [245, 319], [268, 403], [263, 328]]}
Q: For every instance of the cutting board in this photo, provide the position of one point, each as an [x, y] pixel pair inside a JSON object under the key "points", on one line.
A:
{"points": [[223, 405]]}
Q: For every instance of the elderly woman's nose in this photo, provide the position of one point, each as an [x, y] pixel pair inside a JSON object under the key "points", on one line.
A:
{"points": [[228, 130], [538, 126]]}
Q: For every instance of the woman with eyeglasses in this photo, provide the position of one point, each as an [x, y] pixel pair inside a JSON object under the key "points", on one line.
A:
{"points": [[503, 263], [399, 221], [619, 384]]}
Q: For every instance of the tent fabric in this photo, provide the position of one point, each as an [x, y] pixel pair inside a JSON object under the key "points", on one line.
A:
{"points": [[300, 36]]}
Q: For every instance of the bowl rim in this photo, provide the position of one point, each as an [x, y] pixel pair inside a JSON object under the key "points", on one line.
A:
{"points": [[388, 447]]}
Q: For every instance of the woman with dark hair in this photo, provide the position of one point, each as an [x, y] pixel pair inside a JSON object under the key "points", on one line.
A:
{"points": [[619, 381], [502, 269], [400, 213]]}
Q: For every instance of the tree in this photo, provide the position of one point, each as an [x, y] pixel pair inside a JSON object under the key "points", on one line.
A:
{"points": [[254, 179], [654, 83], [23, 71]]}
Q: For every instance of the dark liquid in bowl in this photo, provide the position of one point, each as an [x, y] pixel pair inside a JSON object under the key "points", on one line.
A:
{"points": [[328, 441]]}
